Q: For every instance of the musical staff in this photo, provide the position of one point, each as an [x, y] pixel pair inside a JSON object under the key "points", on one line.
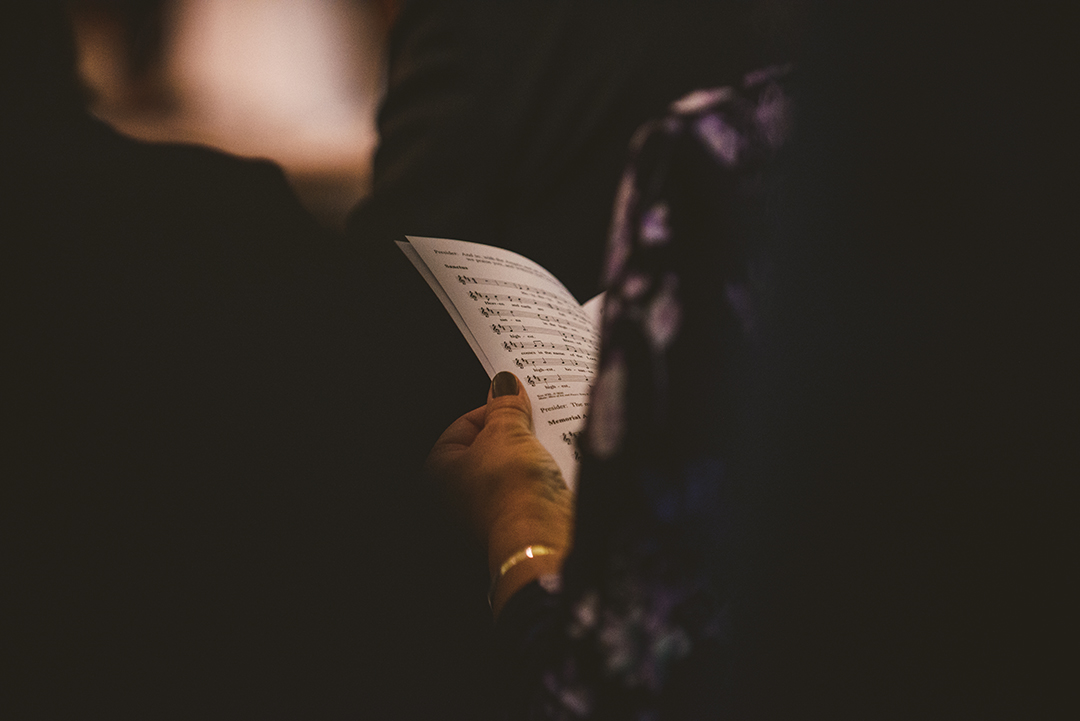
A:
{"points": [[540, 292], [557, 360], [499, 328], [512, 345], [556, 378], [500, 298], [514, 314]]}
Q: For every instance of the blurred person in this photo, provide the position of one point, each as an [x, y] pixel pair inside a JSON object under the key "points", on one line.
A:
{"points": [[837, 488], [507, 124], [617, 603], [183, 394]]}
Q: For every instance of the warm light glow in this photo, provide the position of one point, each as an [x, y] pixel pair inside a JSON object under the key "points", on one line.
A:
{"points": [[280, 78]]}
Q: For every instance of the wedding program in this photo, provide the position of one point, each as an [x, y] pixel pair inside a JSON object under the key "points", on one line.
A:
{"points": [[518, 317]]}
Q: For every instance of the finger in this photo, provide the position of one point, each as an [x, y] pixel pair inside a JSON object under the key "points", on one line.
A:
{"points": [[508, 403], [454, 442], [464, 430]]}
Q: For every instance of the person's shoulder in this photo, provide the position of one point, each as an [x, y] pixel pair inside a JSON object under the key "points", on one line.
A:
{"points": [[201, 188], [737, 125], [199, 168], [763, 87]]}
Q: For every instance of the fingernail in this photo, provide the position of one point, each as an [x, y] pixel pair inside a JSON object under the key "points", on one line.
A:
{"points": [[503, 384]]}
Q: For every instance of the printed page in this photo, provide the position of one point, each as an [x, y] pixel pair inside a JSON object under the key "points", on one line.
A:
{"points": [[519, 317]]}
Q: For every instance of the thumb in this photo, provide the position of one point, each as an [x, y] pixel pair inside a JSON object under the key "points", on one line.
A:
{"points": [[508, 403]]}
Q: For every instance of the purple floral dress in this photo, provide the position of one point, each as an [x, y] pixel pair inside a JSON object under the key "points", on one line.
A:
{"points": [[639, 624]]}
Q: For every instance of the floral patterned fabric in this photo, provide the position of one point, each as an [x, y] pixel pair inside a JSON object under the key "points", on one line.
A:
{"points": [[638, 626]]}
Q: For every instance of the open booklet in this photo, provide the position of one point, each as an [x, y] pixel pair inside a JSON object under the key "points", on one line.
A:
{"points": [[518, 317]]}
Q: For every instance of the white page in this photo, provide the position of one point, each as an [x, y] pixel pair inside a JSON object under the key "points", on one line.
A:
{"points": [[432, 281], [518, 317]]}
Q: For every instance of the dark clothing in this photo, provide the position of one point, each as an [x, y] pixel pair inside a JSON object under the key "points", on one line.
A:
{"points": [[183, 428], [209, 506], [508, 123], [640, 626], [901, 445]]}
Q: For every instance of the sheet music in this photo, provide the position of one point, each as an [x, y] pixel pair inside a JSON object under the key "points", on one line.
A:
{"points": [[518, 317]]}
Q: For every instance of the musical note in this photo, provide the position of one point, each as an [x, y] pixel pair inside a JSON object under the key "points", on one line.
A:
{"points": [[510, 313], [513, 328], [572, 310], [557, 378], [531, 290], [512, 345], [557, 360], [500, 299]]}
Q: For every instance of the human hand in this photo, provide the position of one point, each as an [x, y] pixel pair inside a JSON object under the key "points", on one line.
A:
{"points": [[504, 484]]}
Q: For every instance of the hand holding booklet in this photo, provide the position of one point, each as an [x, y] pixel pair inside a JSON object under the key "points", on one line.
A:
{"points": [[518, 317]]}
